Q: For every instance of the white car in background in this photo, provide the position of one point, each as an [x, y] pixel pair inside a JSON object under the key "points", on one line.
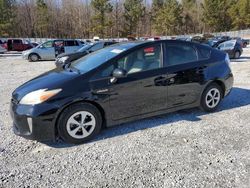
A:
{"points": [[51, 49], [2, 50]]}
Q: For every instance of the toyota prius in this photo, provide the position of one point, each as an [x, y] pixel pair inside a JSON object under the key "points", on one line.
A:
{"points": [[121, 83]]}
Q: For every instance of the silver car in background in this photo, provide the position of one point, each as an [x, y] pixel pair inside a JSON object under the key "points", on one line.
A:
{"points": [[51, 49]]}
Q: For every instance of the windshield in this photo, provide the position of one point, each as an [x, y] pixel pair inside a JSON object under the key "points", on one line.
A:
{"points": [[86, 47], [95, 59]]}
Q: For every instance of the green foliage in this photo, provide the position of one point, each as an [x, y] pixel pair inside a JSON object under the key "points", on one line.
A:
{"points": [[42, 21], [100, 21], [133, 11], [6, 17], [240, 14], [168, 19], [216, 14]]}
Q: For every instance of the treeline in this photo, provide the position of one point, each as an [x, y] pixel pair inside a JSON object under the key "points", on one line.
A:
{"points": [[120, 18]]}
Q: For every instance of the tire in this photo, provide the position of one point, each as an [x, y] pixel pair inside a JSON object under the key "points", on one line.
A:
{"points": [[33, 57], [211, 98], [71, 127], [237, 55]]}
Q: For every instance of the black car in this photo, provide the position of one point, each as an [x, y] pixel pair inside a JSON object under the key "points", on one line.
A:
{"points": [[117, 84], [64, 59], [232, 47]]}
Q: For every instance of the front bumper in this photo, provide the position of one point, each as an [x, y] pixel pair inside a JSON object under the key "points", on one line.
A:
{"points": [[34, 122], [25, 56]]}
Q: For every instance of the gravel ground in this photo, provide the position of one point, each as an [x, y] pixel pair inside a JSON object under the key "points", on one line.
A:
{"points": [[184, 149]]}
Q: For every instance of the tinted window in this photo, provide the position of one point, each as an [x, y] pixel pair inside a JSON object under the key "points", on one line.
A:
{"points": [[71, 43], [180, 53], [204, 53], [17, 41], [147, 58]]}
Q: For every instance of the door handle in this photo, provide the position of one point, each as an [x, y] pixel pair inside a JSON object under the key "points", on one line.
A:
{"points": [[160, 81], [199, 70]]}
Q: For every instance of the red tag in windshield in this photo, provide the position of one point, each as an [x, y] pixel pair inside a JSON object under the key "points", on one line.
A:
{"points": [[149, 50]]}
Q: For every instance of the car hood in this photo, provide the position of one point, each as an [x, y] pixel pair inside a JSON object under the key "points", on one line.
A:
{"points": [[54, 79]]}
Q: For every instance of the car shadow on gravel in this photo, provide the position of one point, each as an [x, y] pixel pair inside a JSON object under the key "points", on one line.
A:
{"points": [[239, 97]]}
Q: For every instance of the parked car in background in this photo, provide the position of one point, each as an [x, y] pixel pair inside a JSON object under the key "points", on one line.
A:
{"points": [[120, 83], [64, 59], [2, 50], [232, 47], [51, 49], [18, 45]]}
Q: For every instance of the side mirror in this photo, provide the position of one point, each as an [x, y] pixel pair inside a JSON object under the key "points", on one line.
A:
{"points": [[117, 73]]}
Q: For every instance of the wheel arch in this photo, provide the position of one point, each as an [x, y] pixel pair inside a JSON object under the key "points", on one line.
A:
{"points": [[34, 54], [218, 82]]}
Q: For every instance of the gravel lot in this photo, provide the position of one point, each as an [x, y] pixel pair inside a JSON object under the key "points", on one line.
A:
{"points": [[184, 149]]}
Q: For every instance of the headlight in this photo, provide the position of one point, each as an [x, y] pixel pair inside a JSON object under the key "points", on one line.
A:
{"points": [[63, 59], [39, 96]]}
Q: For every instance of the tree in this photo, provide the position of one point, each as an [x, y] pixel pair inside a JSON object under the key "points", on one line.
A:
{"points": [[168, 19], [240, 14], [216, 14], [100, 21], [6, 17], [133, 12], [191, 16], [42, 20]]}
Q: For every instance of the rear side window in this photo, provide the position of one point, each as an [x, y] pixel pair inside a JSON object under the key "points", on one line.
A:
{"points": [[205, 53], [71, 43], [180, 53]]}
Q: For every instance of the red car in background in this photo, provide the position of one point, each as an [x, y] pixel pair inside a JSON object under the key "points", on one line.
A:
{"points": [[18, 45]]}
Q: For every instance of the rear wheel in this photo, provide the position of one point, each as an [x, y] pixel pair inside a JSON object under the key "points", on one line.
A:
{"points": [[79, 123], [237, 55], [211, 98], [33, 57]]}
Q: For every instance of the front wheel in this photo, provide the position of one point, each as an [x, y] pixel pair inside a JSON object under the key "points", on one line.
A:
{"points": [[79, 123], [33, 57], [211, 98]]}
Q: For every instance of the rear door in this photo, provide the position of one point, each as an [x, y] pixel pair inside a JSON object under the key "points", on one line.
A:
{"points": [[184, 73]]}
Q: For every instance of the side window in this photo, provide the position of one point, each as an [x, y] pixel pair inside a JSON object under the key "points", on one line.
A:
{"points": [[106, 72], [17, 41], [229, 45], [70, 43], [144, 59], [221, 46], [48, 44], [177, 54], [205, 53]]}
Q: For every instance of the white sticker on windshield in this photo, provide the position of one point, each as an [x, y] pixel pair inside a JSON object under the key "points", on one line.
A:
{"points": [[117, 51]]}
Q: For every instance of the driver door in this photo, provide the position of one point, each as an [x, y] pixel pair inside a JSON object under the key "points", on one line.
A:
{"points": [[47, 51], [143, 89]]}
